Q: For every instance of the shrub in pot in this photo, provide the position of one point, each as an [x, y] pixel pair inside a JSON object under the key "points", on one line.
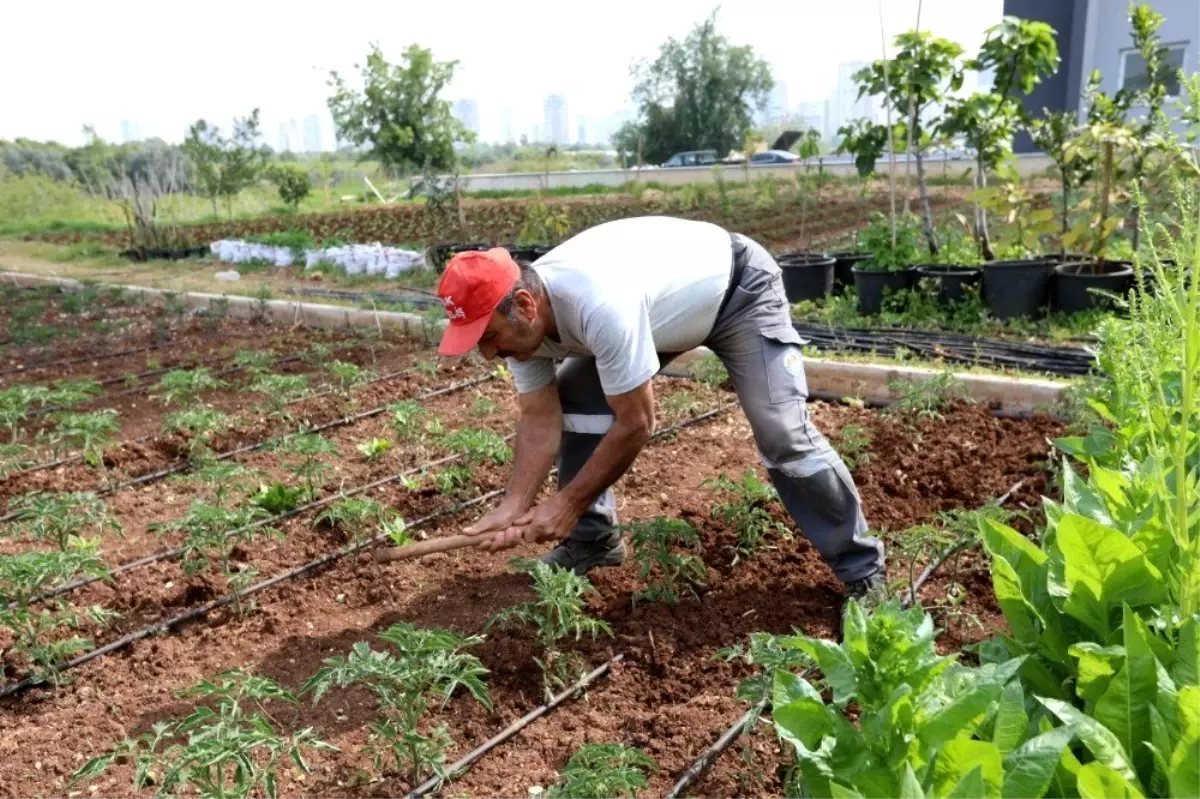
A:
{"points": [[955, 270], [889, 269], [1017, 283], [843, 266], [806, 275]]}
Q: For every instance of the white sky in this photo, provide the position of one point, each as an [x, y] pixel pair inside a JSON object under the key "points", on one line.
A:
{"points": [[164, 64]]}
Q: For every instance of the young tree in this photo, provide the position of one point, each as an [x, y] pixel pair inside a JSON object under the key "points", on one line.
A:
{"points": [[293, 182], [1021, 52], [923, 71], [1148, 129], [225, 166], [698, 94], [399, 116]]}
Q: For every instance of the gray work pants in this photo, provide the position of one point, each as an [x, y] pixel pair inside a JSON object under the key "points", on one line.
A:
{"points": [[753, 336]]}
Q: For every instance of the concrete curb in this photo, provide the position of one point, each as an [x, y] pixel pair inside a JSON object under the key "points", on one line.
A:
{"points": [[827, 379], [832, 380]]}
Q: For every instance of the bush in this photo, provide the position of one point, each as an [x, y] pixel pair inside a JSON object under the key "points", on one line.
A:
{"points": [[293, 182]]}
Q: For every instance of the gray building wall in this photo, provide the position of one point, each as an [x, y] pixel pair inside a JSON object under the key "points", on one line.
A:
{"points": [[1107, 36]]}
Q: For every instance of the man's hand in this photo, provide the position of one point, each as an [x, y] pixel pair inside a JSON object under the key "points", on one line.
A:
{"points": [[554, 519], [499, 518]]}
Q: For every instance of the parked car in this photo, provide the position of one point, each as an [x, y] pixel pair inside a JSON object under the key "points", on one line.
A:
{"points": [[693, 158], [774, 157]]}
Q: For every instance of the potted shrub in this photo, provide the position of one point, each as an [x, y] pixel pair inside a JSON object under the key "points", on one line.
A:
{"points": [[1018, 282], [955, 269], [806, 275], [1077, 282], [891, 257]]}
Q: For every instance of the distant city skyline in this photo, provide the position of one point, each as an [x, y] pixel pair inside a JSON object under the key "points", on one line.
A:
{"points": [[286, 74]]}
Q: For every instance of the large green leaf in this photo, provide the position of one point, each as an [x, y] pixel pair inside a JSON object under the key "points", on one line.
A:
{"points": [[1081, 499], [1185, 669], [1030, 768], [1098, 781], [1099, 740], [1021, 616], [971, 786], [803, 722], [961, 756], [1185, 760], [962, 716], [1012, 722], [1103, 568], [910, 786], [835, 665], [839, 791], [1124, 707], [1160, 749], [1095, 667], [788, 686]]}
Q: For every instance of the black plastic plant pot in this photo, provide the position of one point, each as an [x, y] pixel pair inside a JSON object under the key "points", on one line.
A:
{"points": [[1075, 284], [1017, 288], [953, 281], [871, 285], [442, 253], [843, 265], [807, 275]]}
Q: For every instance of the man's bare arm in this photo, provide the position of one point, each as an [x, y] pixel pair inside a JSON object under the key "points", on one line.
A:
{"points": [[539, 433], [632, 428]]}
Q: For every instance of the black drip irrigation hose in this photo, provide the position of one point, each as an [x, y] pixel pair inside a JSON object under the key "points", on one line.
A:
{"points": [[344, 421], [709, 755], [465, 762], [105, 356], [325, 560], [1064, 361]]}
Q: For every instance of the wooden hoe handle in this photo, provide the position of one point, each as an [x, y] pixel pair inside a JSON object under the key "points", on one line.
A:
{"points": [[421, 548]]}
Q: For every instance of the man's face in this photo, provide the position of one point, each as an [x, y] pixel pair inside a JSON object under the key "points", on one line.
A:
{"points": [[516, 337]]}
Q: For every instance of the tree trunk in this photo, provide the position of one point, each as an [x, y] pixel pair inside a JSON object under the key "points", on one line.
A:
{"points": [[981, 225], [1066, 187], [926, 209]]}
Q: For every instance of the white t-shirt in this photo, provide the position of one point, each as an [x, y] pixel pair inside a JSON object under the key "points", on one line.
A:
{"points": [[627, 290]]}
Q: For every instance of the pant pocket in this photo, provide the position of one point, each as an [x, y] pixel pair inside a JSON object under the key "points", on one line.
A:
{"points": [[784, 364]]}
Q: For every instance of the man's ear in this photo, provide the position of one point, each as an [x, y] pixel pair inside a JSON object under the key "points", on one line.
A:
{"points": [[526, 303]]}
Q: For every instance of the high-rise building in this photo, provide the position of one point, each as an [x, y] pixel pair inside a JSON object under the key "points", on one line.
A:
{"points": [[554, 114], [582, 137], [466, 111], [312, 134], [283, 142], [811, 114], [510, 136], [129, 131], [777, 103], [844, 103]]}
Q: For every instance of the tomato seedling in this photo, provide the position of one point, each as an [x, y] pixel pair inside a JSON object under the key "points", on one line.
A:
{"points": [[58, 517], [654, 550], [747, 513], [601, 771]]}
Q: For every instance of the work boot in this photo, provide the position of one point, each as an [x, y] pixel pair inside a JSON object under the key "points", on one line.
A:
{"points": [[868, 591], [583, 556]]}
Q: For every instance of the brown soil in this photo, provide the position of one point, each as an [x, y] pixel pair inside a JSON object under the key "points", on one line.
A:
{"points": [[668, 697]]}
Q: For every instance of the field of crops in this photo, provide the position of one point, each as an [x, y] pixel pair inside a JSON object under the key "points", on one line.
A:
{"points": [[195, 498]]}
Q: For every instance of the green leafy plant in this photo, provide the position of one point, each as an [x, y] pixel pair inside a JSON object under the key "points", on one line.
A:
{"points": [[888, 254], [422, 668], [406, 418], [375, 448], [69, 394], [854, 445], [451, 479], [292, 181], [254, 362], [601, 771], [222, 478], [14, 458], [926, 726], [184, 386], [15, 404], [478, 446], [747, 512], [482, 406], [222, 750], [544, 223], [557, 613], [348, 376], [212, 534], [58, 517], [89, 433], [37, 633], [197, 425], [355, 516], [278, 498], [305, 455], [927, 398], [680, 405], [280, 391], [654, 550], [710, 371], [317, 353]]}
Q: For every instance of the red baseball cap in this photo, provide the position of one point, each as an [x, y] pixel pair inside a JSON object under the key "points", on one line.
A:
{"points": [[471, 287]]}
